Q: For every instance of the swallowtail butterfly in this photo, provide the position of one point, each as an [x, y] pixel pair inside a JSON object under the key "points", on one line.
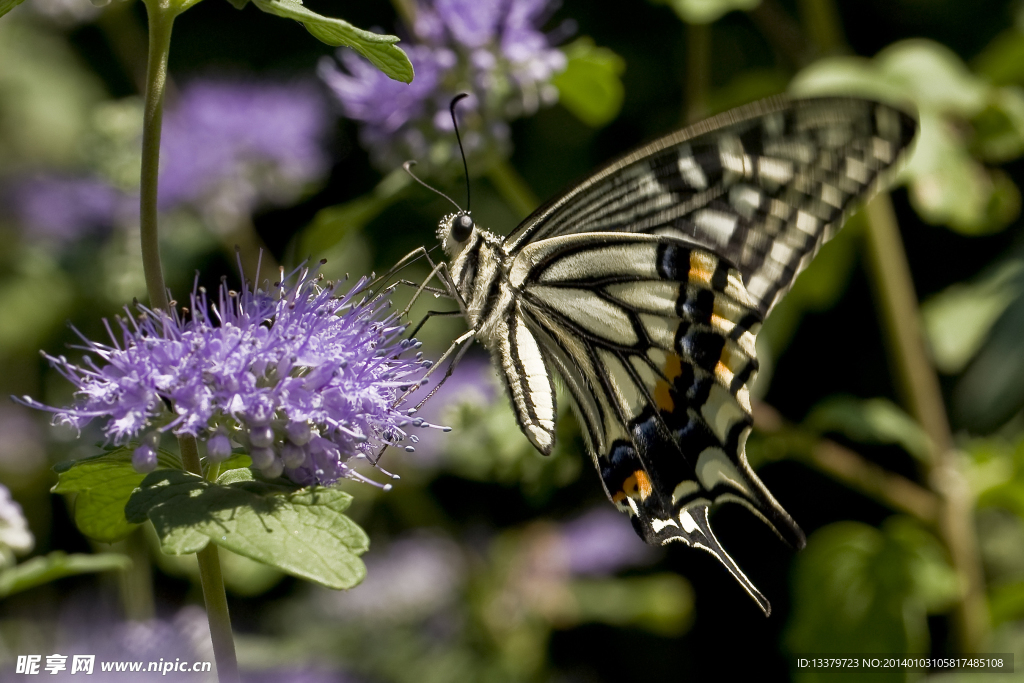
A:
{"points": [[643, 288]]}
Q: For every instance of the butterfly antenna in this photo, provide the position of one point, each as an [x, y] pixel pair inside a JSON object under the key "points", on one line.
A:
{"points": [[408, 169], [465, 167]]}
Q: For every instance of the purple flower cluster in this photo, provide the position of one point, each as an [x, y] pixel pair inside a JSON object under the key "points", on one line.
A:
{"points": [[305, 378], [491, 49], [229, 145], [227, 148], [61, 208]]}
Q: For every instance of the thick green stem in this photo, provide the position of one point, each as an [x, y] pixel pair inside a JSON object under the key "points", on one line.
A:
{"points": [[919, 386], [513, 188], [698, 71], [161, 20]]}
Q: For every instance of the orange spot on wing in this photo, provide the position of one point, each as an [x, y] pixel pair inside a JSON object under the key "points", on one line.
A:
{"points": [[663, 389], [702, 267], [637, 484]]}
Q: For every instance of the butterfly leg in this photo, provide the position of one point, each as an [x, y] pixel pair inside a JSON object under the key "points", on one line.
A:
{"points": [[433, 314]]}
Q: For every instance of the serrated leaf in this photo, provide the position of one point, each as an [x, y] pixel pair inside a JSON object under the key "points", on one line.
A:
{"points": [[7, 5], [379, 49], [302, 532], [57, 565], [591, 87], [875, 420], [103, 484]]}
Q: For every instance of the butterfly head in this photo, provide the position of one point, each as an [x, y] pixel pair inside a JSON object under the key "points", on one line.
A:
{"points": [[455, 232]]}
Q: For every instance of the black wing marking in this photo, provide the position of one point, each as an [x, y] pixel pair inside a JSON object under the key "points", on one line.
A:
{"points": [[764, 185], [654, 338]]}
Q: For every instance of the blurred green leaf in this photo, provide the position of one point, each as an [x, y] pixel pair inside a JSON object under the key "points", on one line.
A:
{"points": [[7, 5], [301, 532], [999, 128], [958, 319], [1002, 60], [991, 389], [997, 473], [591, 87], [30, 272], [875, 420], [948, 185], [706, 11], [242, 576], [332, 224], [859, 589], [1006, 602], [748, 86], [57, 565], [661, 603], [379, 49], [103, 484], [239, 4], [46, 95]]}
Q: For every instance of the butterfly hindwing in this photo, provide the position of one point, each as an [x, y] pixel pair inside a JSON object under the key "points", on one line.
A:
{"points": [[654, 337]]}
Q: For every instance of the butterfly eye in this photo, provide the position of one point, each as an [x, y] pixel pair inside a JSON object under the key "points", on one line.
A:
{"points": [[462, 227]]}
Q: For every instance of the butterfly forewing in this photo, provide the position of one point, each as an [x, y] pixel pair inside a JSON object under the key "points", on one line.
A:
{"points": [[764, 185], [644, 287]]}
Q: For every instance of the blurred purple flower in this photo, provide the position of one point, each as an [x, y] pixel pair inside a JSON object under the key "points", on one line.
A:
{"points": [[85, 627], [65, 208], [229, 145], [22, 453], [304, 378], [601, 542], [14, 534], [408, 579], [492, 49]]}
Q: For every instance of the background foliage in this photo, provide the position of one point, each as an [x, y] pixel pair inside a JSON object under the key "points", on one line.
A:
{"points": [[487, 561]]}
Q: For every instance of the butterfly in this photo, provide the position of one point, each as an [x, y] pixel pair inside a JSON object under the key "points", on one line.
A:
{"points": [[643, 288]]}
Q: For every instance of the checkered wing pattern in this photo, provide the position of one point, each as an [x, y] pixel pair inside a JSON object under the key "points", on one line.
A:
{"points": [[763, 186]]}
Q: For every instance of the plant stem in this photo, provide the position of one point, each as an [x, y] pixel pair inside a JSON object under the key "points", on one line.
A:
{"points": [[161, 20], [513, 188], [212, 582], [849, 467], [698, 70], [821, 22], [919, 385]]}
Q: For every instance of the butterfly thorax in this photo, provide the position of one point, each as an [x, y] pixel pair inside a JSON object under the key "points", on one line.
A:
{"points": [[477, 265]]}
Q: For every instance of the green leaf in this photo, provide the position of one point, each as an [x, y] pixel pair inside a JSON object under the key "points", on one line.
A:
{"points": [[958, 319], [859, 589], [591, 87], [57, 565], [379, 49], [875, 420], [334, 223], [1002, 60], [301, 532], [7, 5], [103, 485], [707, 11]]}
